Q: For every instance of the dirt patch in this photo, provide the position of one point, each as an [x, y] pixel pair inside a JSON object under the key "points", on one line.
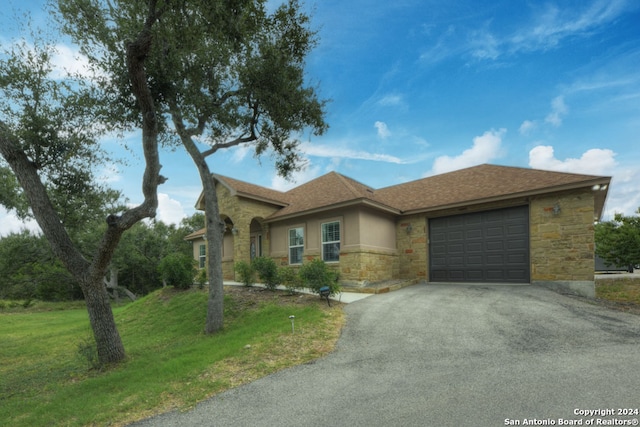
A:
{"points": [[248, 296]]}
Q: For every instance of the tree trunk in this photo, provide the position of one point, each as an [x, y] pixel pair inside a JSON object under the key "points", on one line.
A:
{"points": [[103, 324], [214, 233]]}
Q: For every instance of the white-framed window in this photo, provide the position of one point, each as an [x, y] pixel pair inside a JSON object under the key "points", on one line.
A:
{"points": [[296, 245], [202, 258], [331, 241]]}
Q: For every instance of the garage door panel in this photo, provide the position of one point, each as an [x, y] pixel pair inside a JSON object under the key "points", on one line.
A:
{"points": [[491, 246]]}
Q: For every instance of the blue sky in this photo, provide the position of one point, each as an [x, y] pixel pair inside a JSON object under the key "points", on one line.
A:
{"points": [[421, 87]]}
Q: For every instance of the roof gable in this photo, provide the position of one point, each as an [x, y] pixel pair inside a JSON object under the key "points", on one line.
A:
{"points": [[330, 190], [252, 191]]}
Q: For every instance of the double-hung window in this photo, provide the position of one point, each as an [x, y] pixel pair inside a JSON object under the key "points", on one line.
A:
{"points": [[296, 245], [331, 241], [203, 256]]}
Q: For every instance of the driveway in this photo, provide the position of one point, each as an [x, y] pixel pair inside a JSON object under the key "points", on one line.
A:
{"points": [[451, 355]]}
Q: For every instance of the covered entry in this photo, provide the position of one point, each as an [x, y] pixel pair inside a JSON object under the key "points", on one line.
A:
{"points": [[490, 246]]}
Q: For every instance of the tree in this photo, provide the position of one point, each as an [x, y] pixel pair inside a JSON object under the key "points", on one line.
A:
{"points": [[618, 241], [219, 73], [48, 139]]}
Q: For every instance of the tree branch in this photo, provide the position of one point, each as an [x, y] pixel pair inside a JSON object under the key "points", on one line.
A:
{"points": [[43, 210]]}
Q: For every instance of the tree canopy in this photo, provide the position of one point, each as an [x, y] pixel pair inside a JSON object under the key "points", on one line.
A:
{"points": [[215, 75], [618, 240]]}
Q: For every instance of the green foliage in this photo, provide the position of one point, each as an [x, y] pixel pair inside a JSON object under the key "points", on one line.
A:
{"points": [[267, 271], [88, 353], [201, 278], [177, 270], [246, 272], [316, 274], [618, 241], [288, 277], [30, 270]]}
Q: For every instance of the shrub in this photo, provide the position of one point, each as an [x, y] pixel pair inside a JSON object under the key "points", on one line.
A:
{"points": [[288, 277], [267, 270], [201, 278], [316, 274], [177, 270], [246, 272], [88, 353]]}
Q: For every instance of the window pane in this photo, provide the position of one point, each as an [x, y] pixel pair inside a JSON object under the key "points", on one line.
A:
{"points": [[296, 245], [203, 250], [331, 232], [295, 255], [296, 237], [331, 252]]}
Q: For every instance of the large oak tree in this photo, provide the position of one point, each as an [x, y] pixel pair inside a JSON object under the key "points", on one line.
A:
{"points": [[48, 132], [207, 75]]}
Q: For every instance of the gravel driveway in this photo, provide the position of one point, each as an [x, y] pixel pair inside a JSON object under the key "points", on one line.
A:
{"points": [[451, 355]]}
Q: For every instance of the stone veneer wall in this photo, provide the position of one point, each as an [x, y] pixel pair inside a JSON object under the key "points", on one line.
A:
{"points": [[411, 238], [562, 244], [368, 265], [241, 212]]}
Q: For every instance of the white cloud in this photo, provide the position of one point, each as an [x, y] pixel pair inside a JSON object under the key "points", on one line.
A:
{"points": [[340, 151], [527, 127], [10, 223], [240, 152], [383, 130], [391, 100], [68, 60], [558, 111], [595, 161], [485, 148], [306, 174], [170, 211], [484, 45]]}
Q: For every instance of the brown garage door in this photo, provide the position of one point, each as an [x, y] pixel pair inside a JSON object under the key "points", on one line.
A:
{"points": [[490, 246]]}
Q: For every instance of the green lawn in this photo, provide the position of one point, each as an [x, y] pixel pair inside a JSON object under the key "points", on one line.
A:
{"points": [[171, 363]]}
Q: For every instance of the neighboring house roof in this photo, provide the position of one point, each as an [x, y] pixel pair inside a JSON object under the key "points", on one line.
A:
{"points": [[478, 184]]}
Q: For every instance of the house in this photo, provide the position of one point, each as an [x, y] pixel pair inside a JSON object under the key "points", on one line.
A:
{"points": [[483, 224]]}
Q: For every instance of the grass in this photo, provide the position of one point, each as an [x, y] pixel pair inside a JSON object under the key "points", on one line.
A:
{"points": [[171, 364], [621, 290]]}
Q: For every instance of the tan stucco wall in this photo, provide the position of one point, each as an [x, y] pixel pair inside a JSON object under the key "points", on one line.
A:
{"points": [[367, 248]]}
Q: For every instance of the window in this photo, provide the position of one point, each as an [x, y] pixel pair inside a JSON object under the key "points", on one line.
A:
{"points": [[202, 259], [331, 241], [296, 245]]}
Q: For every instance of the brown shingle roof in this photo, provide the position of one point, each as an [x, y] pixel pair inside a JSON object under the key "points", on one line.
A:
{"points": [[253, 191], [196, 234], [472, 185], [479, 183], [326, 191]]}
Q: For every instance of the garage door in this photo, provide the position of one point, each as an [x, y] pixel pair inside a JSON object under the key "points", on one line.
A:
{"points": [[491, 246]]}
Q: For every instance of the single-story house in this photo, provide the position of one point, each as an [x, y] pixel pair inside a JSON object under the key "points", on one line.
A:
{"points": [[483, 224]]}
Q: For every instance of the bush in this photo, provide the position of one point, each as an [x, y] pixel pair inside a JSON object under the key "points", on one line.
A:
{"points": [[201, 278], [177, 270], [267, 270], [246, 272], [316, 274], [288, 277]]}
